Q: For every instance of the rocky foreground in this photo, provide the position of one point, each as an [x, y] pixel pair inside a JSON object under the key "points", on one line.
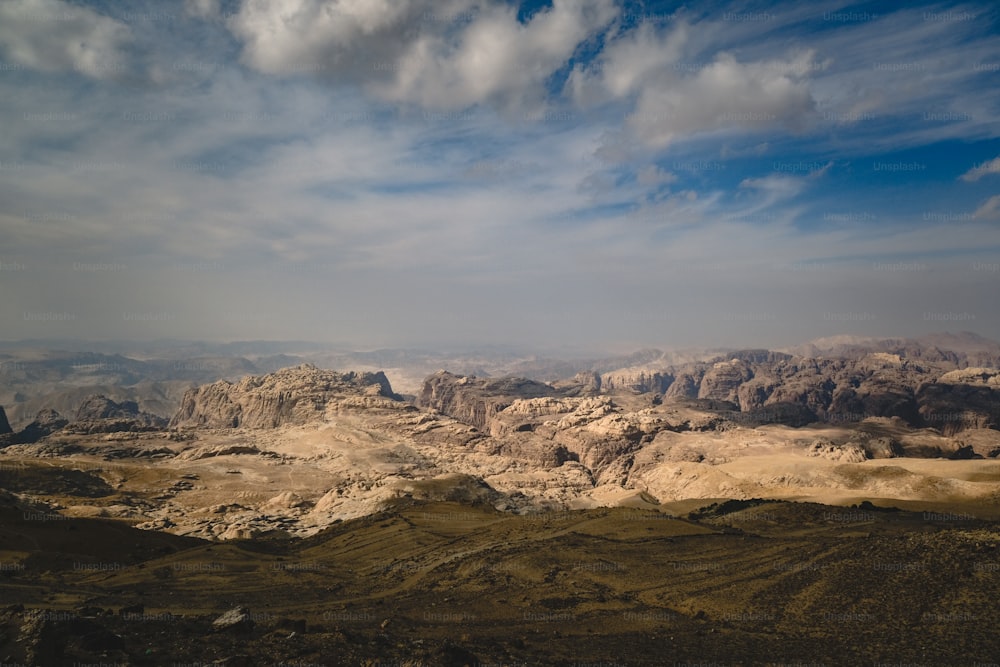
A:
{"points": [[294, 451]]}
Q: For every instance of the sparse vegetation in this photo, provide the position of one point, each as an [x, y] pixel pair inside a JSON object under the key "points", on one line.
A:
{"points": [[453, 584]]}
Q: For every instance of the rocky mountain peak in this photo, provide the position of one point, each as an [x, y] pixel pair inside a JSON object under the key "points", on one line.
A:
{"points": [[99, 414], [47, 421], [99, 406]]}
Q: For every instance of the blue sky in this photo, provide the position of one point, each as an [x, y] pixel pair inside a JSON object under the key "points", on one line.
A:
{"points": [[589, 174]]}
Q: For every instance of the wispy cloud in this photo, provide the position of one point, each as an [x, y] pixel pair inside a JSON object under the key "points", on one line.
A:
{"points": [[989, 209], [980, 170]]}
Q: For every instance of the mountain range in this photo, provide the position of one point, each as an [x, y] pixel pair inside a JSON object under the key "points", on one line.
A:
{"points": [[742, 424]]}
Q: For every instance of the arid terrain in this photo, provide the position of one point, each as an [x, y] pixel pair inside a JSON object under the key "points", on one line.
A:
{"points": [[758, 507], [497, 333], [444, 583]]}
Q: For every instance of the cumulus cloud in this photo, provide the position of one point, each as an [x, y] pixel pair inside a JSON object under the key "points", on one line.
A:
{"points": [[447, 54], [627, 63], [341, 37], [725, 94], [55, 36], [496, 57], [677, 94], [980, 170]]}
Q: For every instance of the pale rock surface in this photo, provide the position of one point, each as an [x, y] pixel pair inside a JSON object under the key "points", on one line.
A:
{"points": [[290, 396], [314, 447]]}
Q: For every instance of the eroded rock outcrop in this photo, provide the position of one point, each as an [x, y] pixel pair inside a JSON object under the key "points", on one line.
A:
{"points": [[100, 414], [961, 400], [639, 380], [770, 387], [722, 381], [584, 383], [685, 385], [290, 396], [46, 422], [476, 401], [535, 423]]}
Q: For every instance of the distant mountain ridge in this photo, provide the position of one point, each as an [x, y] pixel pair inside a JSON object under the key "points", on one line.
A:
{"points": [[35, 379], [962, 349]]}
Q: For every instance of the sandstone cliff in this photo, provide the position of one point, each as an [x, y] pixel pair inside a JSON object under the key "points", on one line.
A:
{"points": [[722, 381], [476, 401], [770, 387], [538, 424], [290, 396], [961, 400], [639, 380]]}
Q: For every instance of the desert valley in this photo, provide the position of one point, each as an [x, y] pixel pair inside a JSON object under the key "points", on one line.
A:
{"points": [[753, 503], [499, 333]]}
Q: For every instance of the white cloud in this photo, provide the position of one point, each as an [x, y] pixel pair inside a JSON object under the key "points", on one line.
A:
{"points": [[980, 170], [725, 94], [495, 57], [695, 77], [628, 63], [776, 188], [701, 75], [679, 90], [54, 36], [443, 55], [295, 36], [203, 9], [787, 184], [989, 210]]}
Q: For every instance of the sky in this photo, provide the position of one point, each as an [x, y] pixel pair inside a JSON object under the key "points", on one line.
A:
{"points": [[570, 174]]}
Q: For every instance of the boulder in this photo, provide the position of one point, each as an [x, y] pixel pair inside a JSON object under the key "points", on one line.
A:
{"points": [[237, 619]]}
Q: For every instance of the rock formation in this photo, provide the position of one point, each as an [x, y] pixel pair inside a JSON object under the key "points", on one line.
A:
{"points": [[332, 445], [532, 422], [686, 384], [290, 396], [723, 380], [46, 422], [99, 414], [770, 387], [476, 401], [960, 400], [639, 380]]}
